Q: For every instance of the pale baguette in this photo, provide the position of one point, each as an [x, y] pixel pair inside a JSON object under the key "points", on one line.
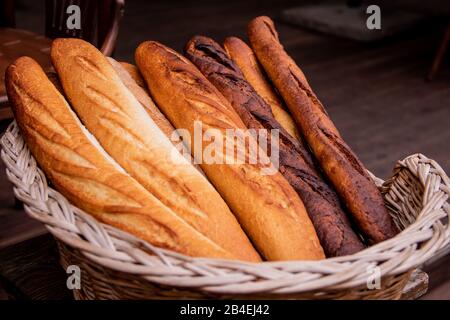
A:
{"points": [[140, 93], [133, 71], [82, 171], [124, 129], [266, 205]]}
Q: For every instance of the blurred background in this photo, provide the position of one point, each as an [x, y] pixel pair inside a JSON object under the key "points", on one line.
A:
{"points": [[387, 90]]}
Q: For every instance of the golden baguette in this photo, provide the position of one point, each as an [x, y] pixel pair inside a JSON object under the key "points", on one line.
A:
{"points": [[245, 59], [126, 132], [83, 172], [267, 207], [143, 97]]}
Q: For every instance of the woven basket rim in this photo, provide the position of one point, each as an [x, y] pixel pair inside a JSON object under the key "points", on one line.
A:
{"points": [[123, 252]]}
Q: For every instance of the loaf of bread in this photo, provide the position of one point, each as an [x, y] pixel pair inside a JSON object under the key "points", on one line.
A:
{"points": [[341, 165], [133, 71], [245, 59], [140, 93], [322, 204], [142, 96], [126, 132], [84, 173], [267, 207]]}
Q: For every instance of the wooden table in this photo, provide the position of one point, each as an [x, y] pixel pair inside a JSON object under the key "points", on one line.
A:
{"points": [[15, 43]]}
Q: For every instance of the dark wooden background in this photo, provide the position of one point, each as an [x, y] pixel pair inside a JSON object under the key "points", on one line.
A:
{"points": [[375, 93]]}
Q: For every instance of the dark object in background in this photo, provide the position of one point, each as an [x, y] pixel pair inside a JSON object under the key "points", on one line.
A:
{"points": [[436, 8], [354, 3], [348, 19], [7, 18], [100, 21]]}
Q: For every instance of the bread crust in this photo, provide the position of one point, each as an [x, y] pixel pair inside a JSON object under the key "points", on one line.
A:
{"points": [[341, 165], [245, 59], [267, 207], [86, 175], [142, 96], [126, 132], [133, 71], [322, 204]]}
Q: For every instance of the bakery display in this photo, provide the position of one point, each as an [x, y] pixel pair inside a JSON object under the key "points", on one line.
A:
{"points": [[225, 153], [337, 160], [267, 207], [83, 172]]}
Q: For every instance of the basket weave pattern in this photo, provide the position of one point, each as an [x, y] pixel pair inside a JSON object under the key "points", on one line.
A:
{"points": [[117, 265]]}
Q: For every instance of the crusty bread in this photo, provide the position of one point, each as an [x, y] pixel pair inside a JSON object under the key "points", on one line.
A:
{"points": [[341, 165], [133, 71], [142, 96], [267, 207], [140, 93], [82, 171], [126, 132], [245, 59], [296, 164]]}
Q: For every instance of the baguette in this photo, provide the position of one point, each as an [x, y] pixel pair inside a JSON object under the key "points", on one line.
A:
{"points": [[84, 173], [126, 132], [142, 96], [322, 204], [341, 165], [133, 71], [267, 207], [245, 59]]}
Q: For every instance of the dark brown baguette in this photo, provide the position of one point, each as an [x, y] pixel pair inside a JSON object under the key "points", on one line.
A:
{"points": [[245, 59], [267, 207], [322, 204], [341, 165]]}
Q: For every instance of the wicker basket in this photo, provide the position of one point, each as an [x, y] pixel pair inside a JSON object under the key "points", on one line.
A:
{"points": [[116, 265]]}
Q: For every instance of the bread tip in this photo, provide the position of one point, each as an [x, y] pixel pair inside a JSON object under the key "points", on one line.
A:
{"points": [[194, 40], [23, 61]]}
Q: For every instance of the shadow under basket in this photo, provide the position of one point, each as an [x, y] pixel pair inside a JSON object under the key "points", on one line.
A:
{"points": [[117, 265]]}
